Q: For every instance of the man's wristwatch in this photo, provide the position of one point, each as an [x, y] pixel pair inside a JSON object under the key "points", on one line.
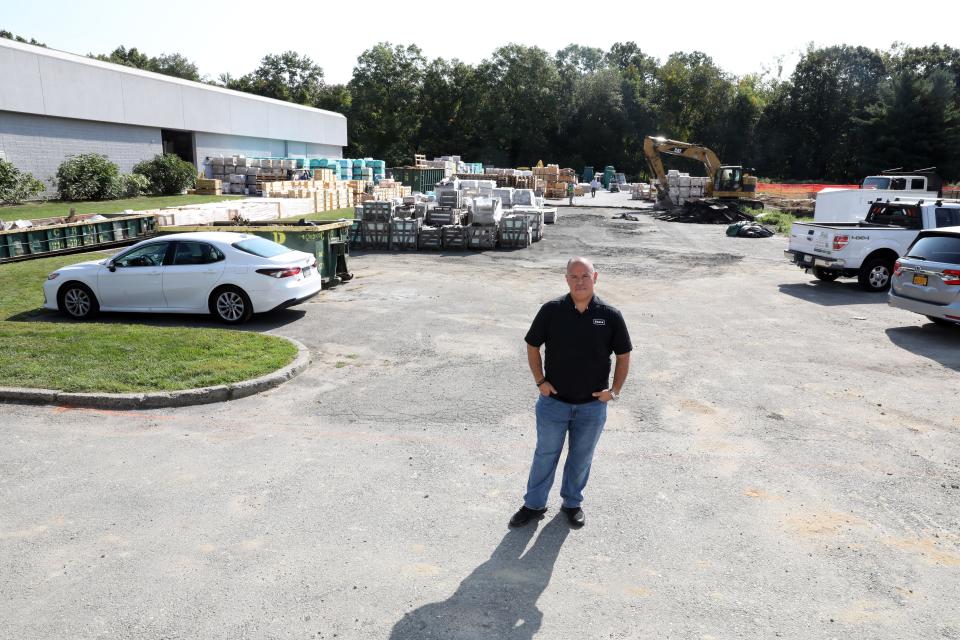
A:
{"points": [[614, 395]]}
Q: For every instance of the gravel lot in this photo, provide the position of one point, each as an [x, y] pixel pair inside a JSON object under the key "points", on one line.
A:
{"points": [[783, 463]]}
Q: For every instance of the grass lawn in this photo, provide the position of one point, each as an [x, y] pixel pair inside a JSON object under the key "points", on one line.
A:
{"points": [[44, 350], [781, 220], [51, 208], [334, 214]]}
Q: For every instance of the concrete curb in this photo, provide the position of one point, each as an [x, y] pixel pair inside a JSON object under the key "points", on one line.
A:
{"points": [[163, 399]]}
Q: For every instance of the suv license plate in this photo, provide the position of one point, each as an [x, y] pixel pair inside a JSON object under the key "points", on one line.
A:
{"points": [[920, 279]]}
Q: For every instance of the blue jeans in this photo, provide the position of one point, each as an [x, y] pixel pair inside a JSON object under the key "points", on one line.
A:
{"points": [[554, 420]]}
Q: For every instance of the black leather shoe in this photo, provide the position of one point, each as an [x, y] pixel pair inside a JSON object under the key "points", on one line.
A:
{"points": [[525, 515], [575, 516]]}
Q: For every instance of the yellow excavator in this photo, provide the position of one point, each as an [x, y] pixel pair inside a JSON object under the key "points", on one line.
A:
{"points": [[727, 182]]}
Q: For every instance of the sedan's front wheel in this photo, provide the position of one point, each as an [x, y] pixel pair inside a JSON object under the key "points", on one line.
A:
{"points": [[77, 301], [231, 305]]}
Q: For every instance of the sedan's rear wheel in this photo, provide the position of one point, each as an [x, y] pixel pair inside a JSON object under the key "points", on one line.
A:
{"points": [[231, 305], [77, 301]]}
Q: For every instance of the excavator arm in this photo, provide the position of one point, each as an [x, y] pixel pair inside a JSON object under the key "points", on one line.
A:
{"points": [[653, 147]]}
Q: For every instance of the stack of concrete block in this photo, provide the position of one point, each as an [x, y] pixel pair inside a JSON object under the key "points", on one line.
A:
{"points": [[430, 238], [452, 237], [535, 217], [682, 187]]}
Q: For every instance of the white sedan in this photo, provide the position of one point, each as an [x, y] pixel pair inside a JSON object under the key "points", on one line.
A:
{"points": [[230, 275]]}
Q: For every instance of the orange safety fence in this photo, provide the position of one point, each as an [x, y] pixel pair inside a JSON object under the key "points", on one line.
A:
{"points": [[798, 190]]}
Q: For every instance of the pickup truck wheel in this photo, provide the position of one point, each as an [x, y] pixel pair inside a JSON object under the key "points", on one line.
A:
{"points": [[943, 322], [825, 274], [875, 275]]}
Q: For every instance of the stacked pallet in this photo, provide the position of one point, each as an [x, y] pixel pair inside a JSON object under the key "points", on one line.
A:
{"points": [[682, 187], [515, 231], [208, 187]]}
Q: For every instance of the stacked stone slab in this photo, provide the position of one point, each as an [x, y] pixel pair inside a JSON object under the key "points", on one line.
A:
{"points": [[682, 187]]}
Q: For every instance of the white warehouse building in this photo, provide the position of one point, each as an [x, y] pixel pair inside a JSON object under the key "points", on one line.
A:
{"points": [[54, 105]]}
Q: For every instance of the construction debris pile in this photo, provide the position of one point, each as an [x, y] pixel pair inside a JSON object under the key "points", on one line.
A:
{"points": [[706, 211], [462, 214]]}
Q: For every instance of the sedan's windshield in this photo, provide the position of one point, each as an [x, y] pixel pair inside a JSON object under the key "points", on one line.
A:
{"points": [[261, 247]]}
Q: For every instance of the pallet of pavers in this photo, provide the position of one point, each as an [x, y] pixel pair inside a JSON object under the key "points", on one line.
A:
{"points": [[377, 211], [452, 237], [481, 236], [515, 231], [430, 238], [376, 234], [535, 216], [444, 216], [403, 233]]}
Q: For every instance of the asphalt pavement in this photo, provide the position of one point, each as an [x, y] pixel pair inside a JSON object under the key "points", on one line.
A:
{"points": [[782, 464]]}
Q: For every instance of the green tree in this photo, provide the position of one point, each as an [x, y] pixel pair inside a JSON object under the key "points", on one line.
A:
{"points": [[386, 110], [168, 64], [287, 76], [916, 124], [9, 36], [520, 109]]}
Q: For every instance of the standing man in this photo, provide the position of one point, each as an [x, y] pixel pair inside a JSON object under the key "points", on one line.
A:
{"points": [[580, 332], [571, 188], [594, 185]]}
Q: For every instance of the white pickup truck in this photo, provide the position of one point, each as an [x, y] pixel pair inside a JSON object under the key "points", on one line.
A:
{"points": [[838, 204], [867, 249]]}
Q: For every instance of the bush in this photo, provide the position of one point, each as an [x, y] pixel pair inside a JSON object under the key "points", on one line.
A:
{"points": [[127, 185], [17, 186], [168, 174], [88, 176]]}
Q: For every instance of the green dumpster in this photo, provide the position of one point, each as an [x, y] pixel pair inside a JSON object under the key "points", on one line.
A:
{"points": [[328, 241]]}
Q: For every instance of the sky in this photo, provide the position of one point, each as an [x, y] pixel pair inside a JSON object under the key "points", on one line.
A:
{"points": [[232, 37]]}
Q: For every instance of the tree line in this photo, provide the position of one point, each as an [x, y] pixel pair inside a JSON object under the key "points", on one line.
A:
{"points": [[843, 112]]}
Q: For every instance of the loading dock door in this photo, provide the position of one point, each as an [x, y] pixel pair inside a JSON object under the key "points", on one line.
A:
{"points": [[180, 143]]}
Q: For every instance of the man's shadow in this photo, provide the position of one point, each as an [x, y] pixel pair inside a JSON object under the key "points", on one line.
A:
{"points": [[498, 601]]}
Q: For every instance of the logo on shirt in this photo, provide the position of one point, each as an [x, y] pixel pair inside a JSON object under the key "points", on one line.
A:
{"points": [[599, 322]]}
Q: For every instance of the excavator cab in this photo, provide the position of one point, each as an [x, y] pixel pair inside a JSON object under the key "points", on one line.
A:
{"points": [[729, 178]]}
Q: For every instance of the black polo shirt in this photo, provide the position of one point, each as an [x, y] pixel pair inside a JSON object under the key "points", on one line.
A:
{"points": [[579, 345]]}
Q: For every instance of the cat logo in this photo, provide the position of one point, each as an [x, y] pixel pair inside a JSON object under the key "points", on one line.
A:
{"points": [[599, 322]]}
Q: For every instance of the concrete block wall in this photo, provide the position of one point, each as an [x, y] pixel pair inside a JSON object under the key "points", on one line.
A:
{"points": [[38, 144]]}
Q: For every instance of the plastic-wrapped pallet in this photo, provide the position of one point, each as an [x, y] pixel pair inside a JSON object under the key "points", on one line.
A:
{"points": [[486, 211], [550, 215], [506, 196], [524, 198]]}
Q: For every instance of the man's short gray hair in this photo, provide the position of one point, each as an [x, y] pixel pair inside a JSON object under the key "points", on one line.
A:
{"points": [[580, 260]]}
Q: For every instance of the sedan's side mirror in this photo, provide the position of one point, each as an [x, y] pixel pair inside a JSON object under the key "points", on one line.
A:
{"points": [[111, 266]]}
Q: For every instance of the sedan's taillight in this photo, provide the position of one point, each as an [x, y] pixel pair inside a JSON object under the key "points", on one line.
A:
{"points": [[839, 242], [282, 272], [951, 276], [897, 268]]}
